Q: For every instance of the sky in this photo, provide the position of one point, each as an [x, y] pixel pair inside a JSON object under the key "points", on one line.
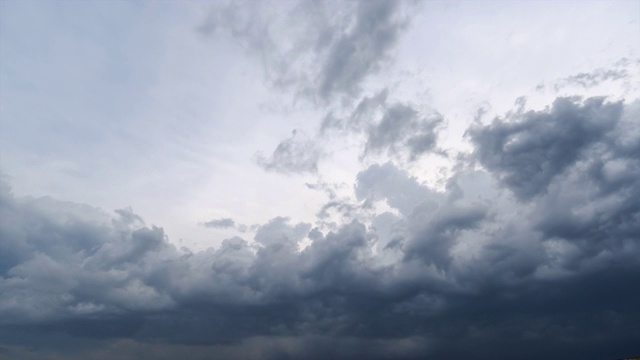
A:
{"points": [[366, 179]]}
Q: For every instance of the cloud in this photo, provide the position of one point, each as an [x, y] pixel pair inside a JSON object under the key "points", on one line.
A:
{"points": [[390, 127], [622, 71], [63, 260], [526, 151], [483, 268], [360, 116], [387, 182], [228, 223], [331, 47], [596, 77], [221, 223], [293, 155], [401, 128], [354, 54], [323, 51]]}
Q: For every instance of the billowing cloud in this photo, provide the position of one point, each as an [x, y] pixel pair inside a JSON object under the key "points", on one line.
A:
{"points": [[528, 150], [389, 183], [394, 235], [496, 264]]}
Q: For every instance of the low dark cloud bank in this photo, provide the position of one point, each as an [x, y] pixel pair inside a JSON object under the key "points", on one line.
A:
{"points": [[533, 252]]}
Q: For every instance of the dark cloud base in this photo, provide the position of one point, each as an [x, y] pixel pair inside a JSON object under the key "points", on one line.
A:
{"points": [[500, 265]]}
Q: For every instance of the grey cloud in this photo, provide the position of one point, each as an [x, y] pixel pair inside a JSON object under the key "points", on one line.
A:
{"points": [[228, 223], [344, 208], [618, 72], [402, 128], [392, 127], [361, 115], [354, 55], [327, 188], [575, 214], [128, 217], [221, 223], [610, 175], [526, 151], [590, 79], [293, 155], [259, 348], [432, 219], [471, 271], [433, 236], [331, 47], [396, 119], [278, 233], [387, 182], [59, 260], [340, 208], [396, 129]]}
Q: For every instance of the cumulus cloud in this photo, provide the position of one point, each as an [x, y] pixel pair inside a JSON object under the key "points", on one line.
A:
{"points": [[526, 151], [497, 264]]}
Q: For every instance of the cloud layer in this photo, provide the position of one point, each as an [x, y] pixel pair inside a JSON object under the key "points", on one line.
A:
{"points": [[530, 252]]}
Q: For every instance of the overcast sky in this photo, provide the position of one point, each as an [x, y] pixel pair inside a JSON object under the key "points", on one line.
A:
{"points": [[319, 179]]}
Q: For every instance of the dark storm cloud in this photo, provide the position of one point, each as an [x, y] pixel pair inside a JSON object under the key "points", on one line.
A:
{"points": [[470, 271], [255, 348], [293, 155], [526, 151], [320, 49]]}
